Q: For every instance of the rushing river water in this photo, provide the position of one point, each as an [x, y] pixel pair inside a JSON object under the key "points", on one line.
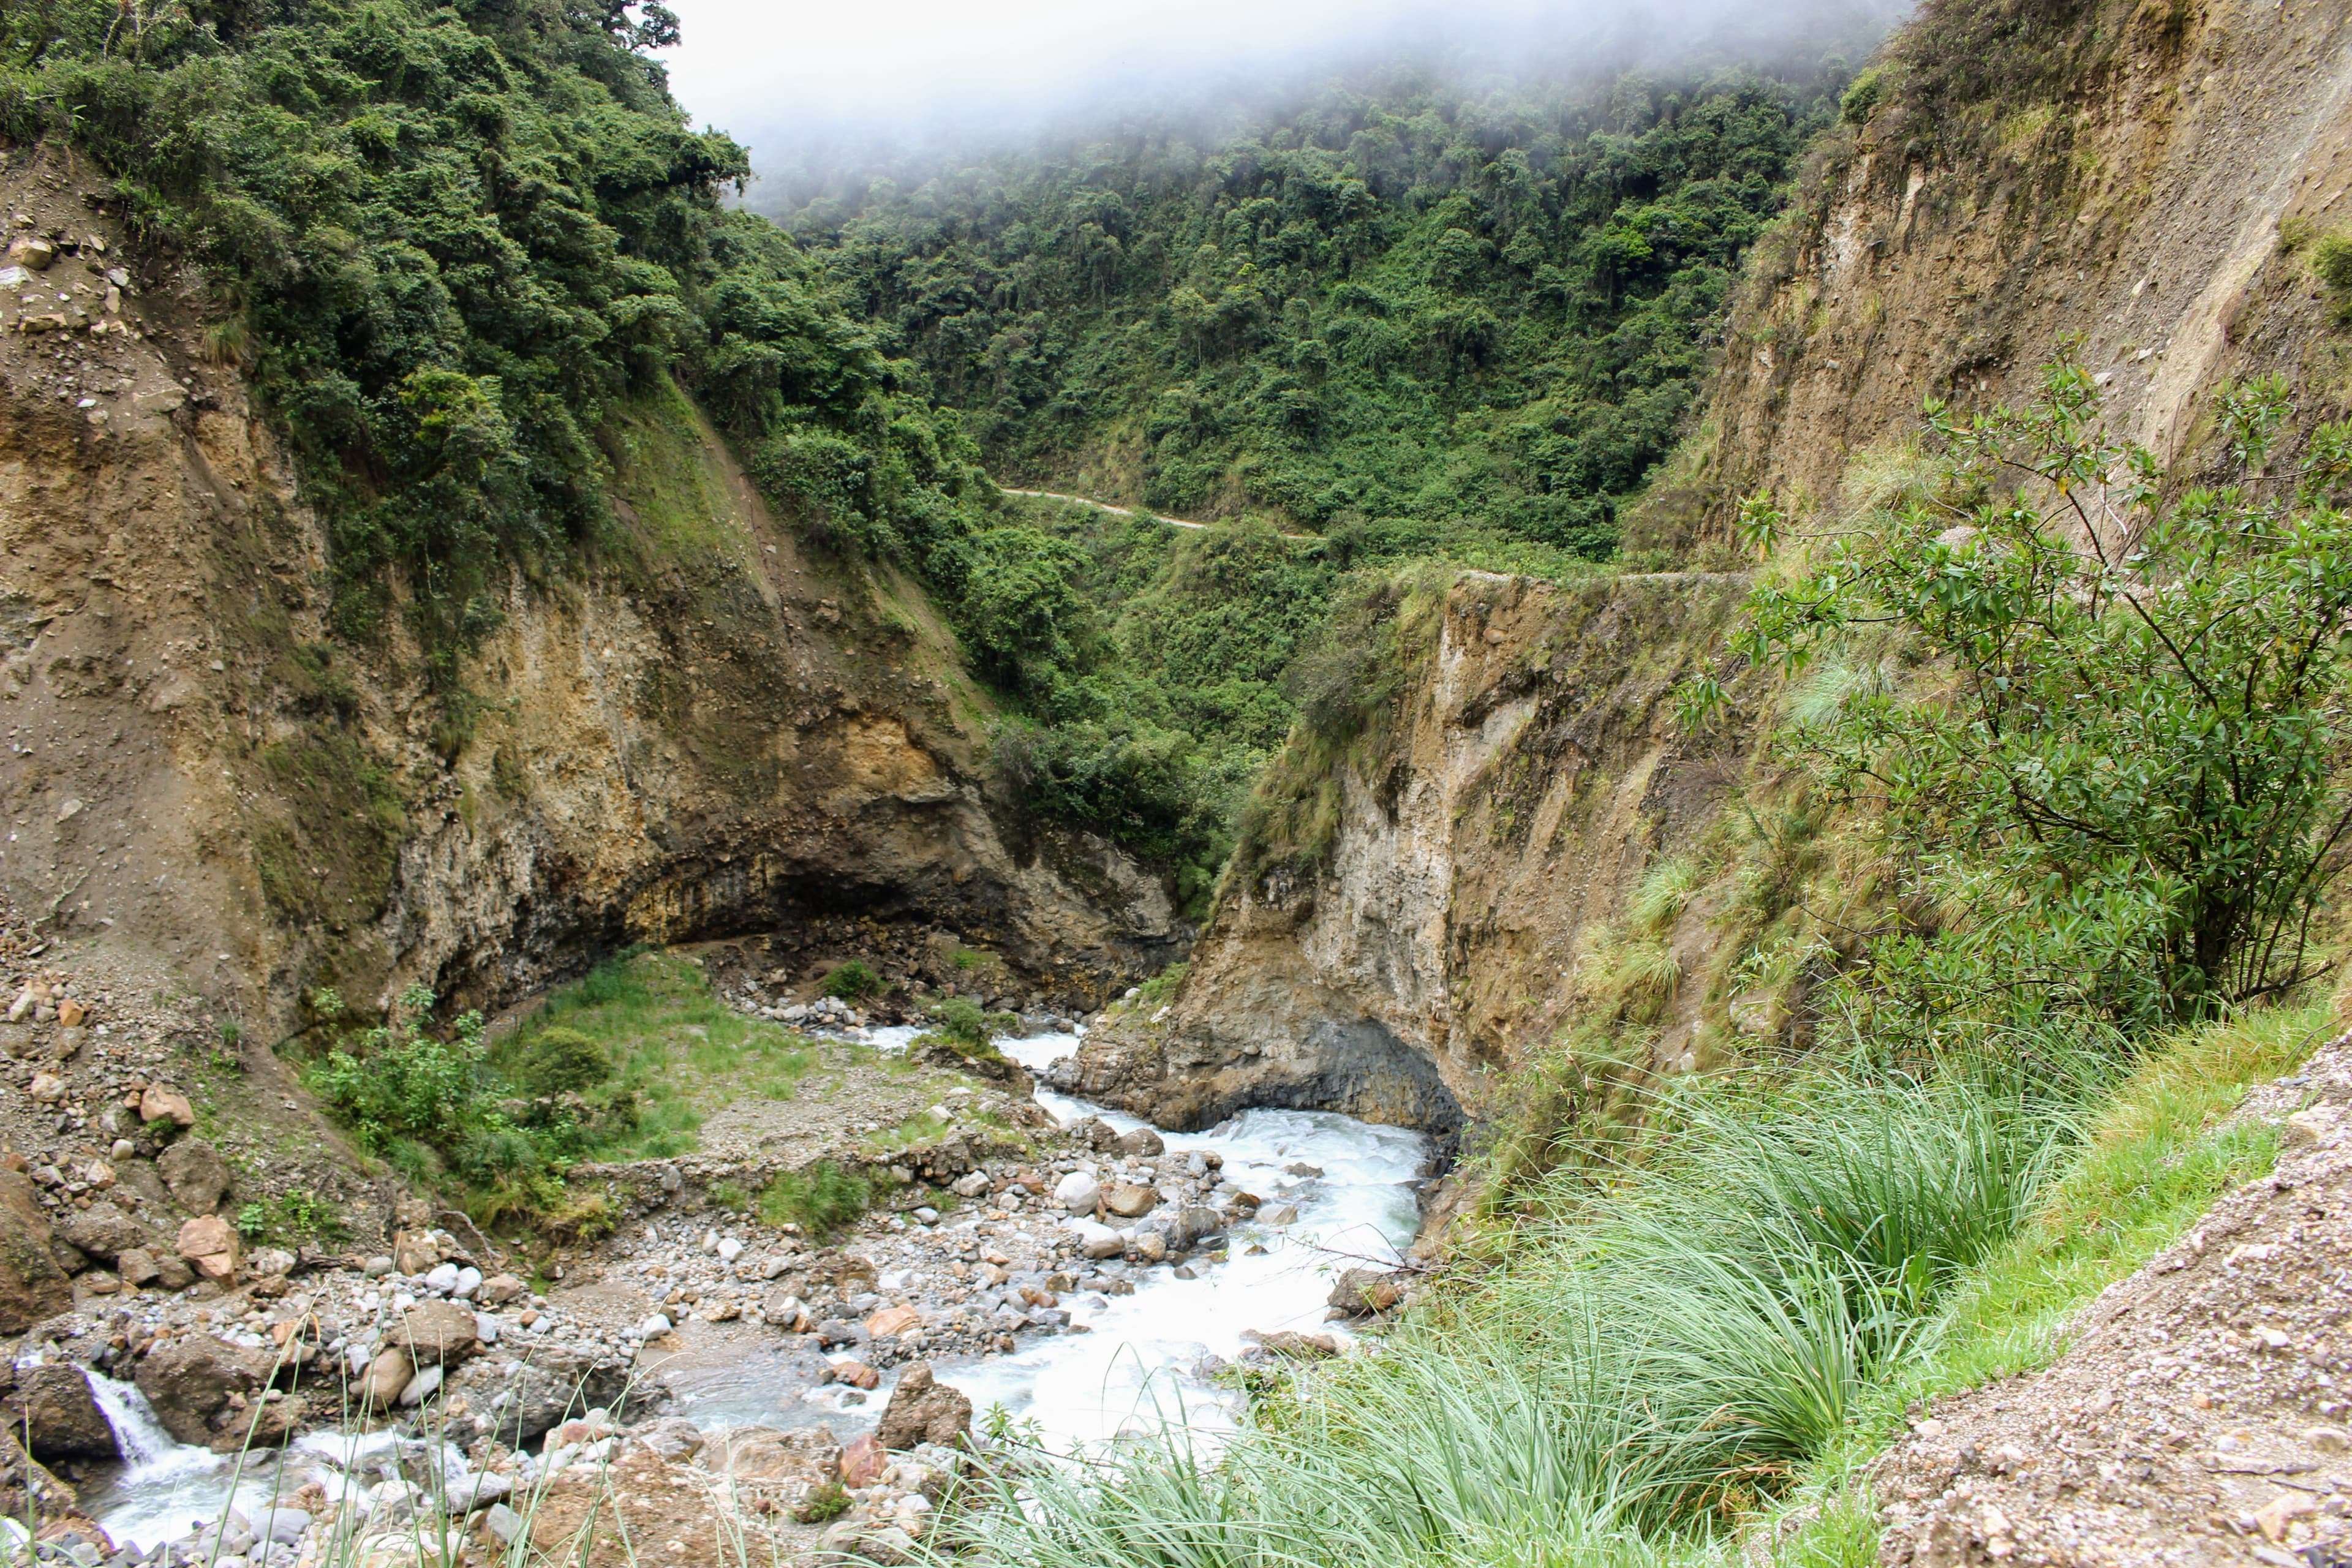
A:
{"points": [[1135, 1367], [1139, 1364]]}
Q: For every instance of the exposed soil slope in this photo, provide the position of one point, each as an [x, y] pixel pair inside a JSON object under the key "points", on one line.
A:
{"points": [[702, 729], [2145, 190]]}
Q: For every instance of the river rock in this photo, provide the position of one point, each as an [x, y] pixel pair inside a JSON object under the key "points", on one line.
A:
{"points": [[551, 1382], [271, 1424], [500, 1289], [863, 1460], [33, 1286], [421, 1387], [1130, 1201], [53, 1405], [1078, 1192], [386, 1375], [1098, 1240], [189, 1382], [435, 1332], [1360, 1292], [158, 1103], [196, 1174], [209, 1246], [1297, 1346], [415, 1252], [106, 1233], [892, 1321], [281, 1524], [923, 1410]]}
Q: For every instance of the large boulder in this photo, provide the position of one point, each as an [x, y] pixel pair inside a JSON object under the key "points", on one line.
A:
{"points": [[550, 1385], [210, 1246], [196, 1174], [33, 1286], [189, 1382], [437, 1333], [1361, 1292], [106, 1233], [924, 1410], [54, 1408]]}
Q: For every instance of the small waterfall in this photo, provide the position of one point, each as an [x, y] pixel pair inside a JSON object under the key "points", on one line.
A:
{"points": [[148, 1449]]}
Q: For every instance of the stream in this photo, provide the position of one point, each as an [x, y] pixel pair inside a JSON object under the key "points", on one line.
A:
{"points": [[1135, 1367], [1143, 1361]]}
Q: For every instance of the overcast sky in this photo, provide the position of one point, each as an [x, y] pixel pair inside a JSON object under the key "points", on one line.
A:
{"points": [[768, 70]]}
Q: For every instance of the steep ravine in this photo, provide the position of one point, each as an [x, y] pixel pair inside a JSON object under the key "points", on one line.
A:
{"points": [[2151, 192], [1533, 770], [702, 729]]}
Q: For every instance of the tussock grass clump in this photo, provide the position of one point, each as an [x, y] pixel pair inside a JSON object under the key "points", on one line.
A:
{"points": [[1656, 1354]]}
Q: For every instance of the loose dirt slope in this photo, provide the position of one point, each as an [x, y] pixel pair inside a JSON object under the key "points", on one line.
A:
{"points": [[2197, 1417]]}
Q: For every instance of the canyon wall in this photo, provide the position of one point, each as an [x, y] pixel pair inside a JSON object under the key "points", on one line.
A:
{"points": [[700, 728], [2148, 180], [1534, 768]]}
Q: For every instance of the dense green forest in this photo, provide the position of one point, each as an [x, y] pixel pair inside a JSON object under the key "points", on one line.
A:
{"points": [[453, 245], [1401, 309], [447, 242]]}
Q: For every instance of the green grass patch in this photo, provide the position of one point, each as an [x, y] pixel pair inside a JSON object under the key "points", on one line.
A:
{"points": [[2154, 1156], [821, 1200]]}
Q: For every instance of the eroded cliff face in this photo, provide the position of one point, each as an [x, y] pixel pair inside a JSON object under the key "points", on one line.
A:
{"points": [[2144, 178], [704, 729], [1533, 769]]}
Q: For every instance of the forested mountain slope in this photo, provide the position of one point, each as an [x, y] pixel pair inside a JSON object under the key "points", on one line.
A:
{"points": [[444, 543], [1409, 308]]}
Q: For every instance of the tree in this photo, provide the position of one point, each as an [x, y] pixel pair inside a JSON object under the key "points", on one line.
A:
{"points": [[2118, 777]]}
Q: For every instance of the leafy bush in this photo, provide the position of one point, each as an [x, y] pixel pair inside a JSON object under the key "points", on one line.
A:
{"points": [[2131, 800], [821, 1199], [558, 1059], [403, 1084], [851, 982]]}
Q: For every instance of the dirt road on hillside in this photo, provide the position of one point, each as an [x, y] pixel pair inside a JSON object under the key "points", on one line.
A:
{"points": [[1126, 511]]}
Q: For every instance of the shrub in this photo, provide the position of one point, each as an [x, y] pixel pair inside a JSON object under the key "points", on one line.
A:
{"points": [[403, 1084], [827, 1501], [851, 982], [2130, 796], [821, 1199], [560, 1059]]}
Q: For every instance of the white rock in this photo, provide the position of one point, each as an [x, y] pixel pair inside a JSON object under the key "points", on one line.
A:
{"points": [[729, 1251], [469, 1281], [1098, 1240], [972, 1186], [421, 1387], [711, 1241], [486, 1326], [441, 1279], [1078, 1192], [657, 1325]]}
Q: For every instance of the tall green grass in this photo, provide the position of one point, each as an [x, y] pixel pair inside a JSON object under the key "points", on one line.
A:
{"points": [[1649, 1359]]}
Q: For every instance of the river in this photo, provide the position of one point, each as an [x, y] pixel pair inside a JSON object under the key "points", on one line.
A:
{"points": [[1141, 1359]]}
